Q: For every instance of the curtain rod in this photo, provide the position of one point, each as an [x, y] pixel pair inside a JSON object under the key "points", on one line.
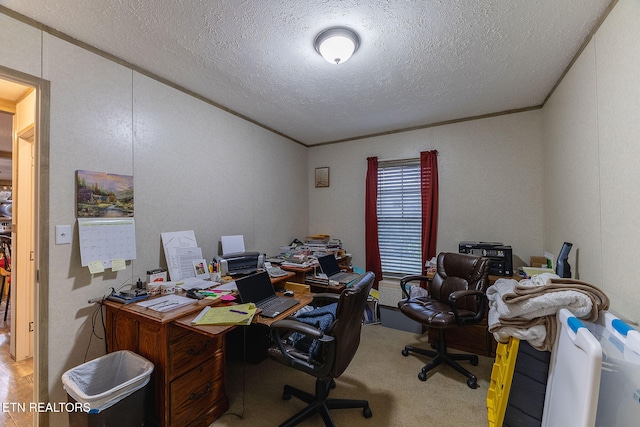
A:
{"points": [[407, 160], [401, 161]]}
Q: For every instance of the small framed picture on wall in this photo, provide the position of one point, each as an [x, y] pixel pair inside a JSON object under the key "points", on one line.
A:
{"points": [[322, 177]]}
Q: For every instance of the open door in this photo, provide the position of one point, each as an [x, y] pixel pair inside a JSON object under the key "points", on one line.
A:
{"points": [[23, 270]]}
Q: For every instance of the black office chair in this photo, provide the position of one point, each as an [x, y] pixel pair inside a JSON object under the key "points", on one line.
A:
{"points": [[338, 345], [456, 298]]}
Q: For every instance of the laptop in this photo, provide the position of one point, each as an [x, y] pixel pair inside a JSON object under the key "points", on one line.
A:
{"points": [[259, 290], [329, 266]]}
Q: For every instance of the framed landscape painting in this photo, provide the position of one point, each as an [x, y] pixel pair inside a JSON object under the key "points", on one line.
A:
{"points": [[103, 195]]}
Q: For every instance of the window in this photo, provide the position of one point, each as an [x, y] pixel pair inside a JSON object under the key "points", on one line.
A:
{"points": [[399, 217]]}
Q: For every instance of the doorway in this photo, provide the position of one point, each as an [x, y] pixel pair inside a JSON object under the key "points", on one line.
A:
{"points": [[26, 98]]}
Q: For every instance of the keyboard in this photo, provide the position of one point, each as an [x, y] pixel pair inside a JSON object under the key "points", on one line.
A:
{"points": [[271, 304], [276, 305]]}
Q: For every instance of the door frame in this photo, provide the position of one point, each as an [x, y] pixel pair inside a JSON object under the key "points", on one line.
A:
{"points": [[41, 233], [22, 251]]}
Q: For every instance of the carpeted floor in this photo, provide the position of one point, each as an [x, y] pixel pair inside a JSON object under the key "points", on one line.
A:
{"points": [[379, 373]]}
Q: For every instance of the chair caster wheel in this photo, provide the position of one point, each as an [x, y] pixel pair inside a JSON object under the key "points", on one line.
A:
{"points": [[405, 352], [367, 412], [474, 361], [472, 383], [332, 384], [422, 376]]}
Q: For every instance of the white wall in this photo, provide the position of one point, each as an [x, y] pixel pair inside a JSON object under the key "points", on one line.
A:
{"points": [[490, 182], [194, 166], [592, 146]]}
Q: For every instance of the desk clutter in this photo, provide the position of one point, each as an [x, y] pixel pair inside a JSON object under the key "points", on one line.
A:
{"points": [[183, 318], [299, 254]]}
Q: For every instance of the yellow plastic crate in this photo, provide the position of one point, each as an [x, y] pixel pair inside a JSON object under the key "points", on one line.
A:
{"points": [[501, 377]]}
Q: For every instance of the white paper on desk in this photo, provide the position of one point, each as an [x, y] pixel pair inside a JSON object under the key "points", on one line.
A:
{"points": [[195, 283], [186, 256], [170, 242], [229, 286], [232, 244], [166, 303]]}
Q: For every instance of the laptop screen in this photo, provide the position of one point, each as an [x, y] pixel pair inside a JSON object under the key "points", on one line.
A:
{"points": [[255, 288], [329, 265]]}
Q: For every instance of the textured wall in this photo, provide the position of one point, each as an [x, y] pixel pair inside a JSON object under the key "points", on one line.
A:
{"points": [[591, 149], [490, 176], [194, 166]]}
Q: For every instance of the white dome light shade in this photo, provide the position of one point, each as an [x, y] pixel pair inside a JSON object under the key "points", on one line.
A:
{"points": [[336, 45]]}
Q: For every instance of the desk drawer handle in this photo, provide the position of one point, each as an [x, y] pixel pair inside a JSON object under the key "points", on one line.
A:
{"points": [[192, 352], [194, 396]]}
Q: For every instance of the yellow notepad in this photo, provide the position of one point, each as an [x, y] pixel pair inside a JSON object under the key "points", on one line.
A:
{"points": [[241, 314]]}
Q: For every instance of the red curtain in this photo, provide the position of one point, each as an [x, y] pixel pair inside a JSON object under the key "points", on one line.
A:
{"points": [[429, 194], [372, 248]]}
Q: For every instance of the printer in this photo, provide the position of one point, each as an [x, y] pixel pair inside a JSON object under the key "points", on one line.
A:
{"points": [[239, 263], [500, 256]]}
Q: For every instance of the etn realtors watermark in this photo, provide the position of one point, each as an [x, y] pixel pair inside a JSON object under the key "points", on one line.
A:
{"points": [[45, 407]]}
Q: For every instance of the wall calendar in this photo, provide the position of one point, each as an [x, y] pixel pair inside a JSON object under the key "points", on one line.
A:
{"points": [[106, 239]]}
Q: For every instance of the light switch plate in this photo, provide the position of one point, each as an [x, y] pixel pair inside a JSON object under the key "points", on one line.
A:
{"points": [[63, 234]]}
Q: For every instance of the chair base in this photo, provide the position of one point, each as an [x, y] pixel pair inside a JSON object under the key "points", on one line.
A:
{"points": [[321, 403], [440, 355]]}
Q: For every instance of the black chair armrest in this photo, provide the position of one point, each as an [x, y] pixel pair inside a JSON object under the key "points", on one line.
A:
{"points": [[407, 279], [325, 298], [465, 320], [280, 328]]}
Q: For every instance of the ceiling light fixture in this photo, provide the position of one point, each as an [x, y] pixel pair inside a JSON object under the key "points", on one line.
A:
{"points": [[337, 44]]}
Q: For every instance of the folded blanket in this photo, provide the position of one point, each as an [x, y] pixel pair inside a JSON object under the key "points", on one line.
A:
{"points": [[321, 318], [527, 309]]}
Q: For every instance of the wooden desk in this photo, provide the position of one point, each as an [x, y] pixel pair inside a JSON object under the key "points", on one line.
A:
{"points": [[300, 272], [317, 288], [278, 282], [189, 361]]}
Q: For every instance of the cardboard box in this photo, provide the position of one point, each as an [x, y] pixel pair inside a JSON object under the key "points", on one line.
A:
{"points": [[297, 287], [538, 261], [157, 275]]}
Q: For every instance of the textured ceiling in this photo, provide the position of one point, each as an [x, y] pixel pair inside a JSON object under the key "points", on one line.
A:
{"points": [[419, 62]]}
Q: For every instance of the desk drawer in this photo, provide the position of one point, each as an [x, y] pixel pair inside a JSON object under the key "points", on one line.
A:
{"points": [[196, 392], [192, 350]]}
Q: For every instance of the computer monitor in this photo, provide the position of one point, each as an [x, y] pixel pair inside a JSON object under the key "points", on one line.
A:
{"points": [[563, 269]]}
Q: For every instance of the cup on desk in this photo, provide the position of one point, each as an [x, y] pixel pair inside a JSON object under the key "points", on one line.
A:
{"points": [[167, 288], [215, 276], [153, 288]]}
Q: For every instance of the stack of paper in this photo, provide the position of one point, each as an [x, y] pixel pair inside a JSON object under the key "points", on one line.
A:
{"points": [[166, 303], [240, 314], [195, 283]]}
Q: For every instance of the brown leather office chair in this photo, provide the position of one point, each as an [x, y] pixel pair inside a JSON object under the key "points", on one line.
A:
{"points": [[339, 343], [456, 298]]}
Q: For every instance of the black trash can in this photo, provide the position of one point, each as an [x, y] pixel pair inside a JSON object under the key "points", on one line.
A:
{"points": [[109, 390]]}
